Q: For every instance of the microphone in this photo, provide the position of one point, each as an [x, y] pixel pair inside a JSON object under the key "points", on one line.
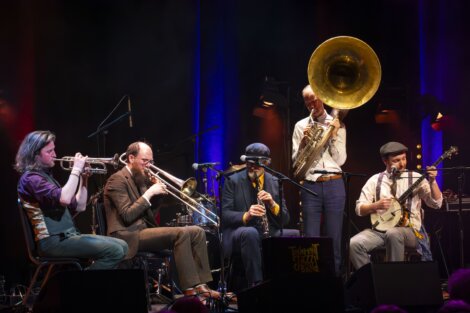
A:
{"points": [[394, 171], [197, 166], [254, 159], [129, 109]]}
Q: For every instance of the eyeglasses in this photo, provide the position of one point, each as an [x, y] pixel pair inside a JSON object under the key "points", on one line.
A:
{"points": [[147, 161]]}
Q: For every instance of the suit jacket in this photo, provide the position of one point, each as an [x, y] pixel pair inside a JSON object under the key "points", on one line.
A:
{"points": [[236, 200], [125, 209]]}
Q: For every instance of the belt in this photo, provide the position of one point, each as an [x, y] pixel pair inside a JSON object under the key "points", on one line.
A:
{"points": [[325, 178]]}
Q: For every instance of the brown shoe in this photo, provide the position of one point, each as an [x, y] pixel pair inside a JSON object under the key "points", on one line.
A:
{"points": [[231, 298], [190, 292], [205, 292]]}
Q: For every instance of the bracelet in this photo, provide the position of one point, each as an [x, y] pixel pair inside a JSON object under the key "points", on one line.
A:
{"points": [[77, 169], [75, 174]]}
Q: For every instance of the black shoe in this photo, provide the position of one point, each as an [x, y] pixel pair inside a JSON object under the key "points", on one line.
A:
{"points": [[159, 299]]}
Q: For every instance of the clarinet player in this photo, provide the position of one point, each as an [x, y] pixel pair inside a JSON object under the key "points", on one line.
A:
{"points": [[249, 197]]}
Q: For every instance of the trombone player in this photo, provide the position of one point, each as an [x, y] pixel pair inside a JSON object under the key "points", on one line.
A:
{"points": [[127, 196], [49, 206], [329, 204]]}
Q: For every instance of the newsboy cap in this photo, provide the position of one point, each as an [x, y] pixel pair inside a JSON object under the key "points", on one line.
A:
{"points": [[257, 149], [392, 147]]}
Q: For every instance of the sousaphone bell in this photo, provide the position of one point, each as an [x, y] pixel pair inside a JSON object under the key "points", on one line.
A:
{"points": [[344, 72]]}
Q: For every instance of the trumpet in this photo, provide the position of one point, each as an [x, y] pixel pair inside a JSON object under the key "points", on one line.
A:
{"points": [[96, 165], [186, 193]]}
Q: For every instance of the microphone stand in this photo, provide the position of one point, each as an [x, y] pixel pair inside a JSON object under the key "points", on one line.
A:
{"points": [[103, 129], [460, 179], [347, 236], [222, 287], [106, 126], [281, 178]]}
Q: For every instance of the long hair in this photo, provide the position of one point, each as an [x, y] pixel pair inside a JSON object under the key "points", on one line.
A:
{"points": [[31, 147]]}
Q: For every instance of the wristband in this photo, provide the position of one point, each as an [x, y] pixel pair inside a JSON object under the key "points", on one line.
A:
{"points": [[75, 174]]}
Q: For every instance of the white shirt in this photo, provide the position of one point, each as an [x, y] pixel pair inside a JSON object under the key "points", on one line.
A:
{"points": [[334, 152], [421, 192]]}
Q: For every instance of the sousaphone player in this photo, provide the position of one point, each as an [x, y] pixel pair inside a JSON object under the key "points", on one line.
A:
{"points": [[343, 73]]}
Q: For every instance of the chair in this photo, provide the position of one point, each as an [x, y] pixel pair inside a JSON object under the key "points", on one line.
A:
{"points": [[378, 255], [40, 262], [142, 259]]}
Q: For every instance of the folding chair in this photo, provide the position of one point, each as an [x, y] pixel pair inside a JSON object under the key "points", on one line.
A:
{"points": [[40, 262]]}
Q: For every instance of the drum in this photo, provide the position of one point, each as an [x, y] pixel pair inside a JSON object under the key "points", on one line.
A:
{"points": [[201, 220], [184, 220]]}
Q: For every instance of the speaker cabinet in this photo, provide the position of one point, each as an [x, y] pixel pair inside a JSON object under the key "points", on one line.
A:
{"points": [[409, 285], [294, 294], [93, 291]]}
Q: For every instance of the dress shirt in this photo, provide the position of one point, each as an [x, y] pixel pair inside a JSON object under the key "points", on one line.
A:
{"points": [[334, 153], [421, 192]]}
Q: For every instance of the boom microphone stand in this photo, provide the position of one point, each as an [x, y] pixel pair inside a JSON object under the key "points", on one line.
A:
{"points": [[103, 130], [281, 178], [222, 288]]}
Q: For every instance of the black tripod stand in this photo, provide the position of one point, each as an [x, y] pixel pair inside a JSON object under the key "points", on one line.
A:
{"points": [[460, 183]]}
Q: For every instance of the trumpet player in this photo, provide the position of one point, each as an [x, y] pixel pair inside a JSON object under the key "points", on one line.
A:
{"points": [[129, 215], [50, 206], [249, 197], [329, 204]]}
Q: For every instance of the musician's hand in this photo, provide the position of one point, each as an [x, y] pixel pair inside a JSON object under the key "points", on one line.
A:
{"points": [[335, 122], [307, 128], [432, 173], [158, 188], [79, 161], [85, 175], [266, 198], [256, 210], [383, 204], [86, 172]]}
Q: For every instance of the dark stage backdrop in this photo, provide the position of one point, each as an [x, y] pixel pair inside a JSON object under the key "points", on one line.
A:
{"points": [[194, 70]]}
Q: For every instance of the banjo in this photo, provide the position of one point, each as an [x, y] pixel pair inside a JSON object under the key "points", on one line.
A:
{"points": [[397, 214]]}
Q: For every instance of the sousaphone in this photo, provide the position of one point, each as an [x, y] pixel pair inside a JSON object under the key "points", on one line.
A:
{"points": [[344, 73]]}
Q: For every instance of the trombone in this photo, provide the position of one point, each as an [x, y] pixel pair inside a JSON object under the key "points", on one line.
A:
{"points": [[97, 165], [186, 192]]}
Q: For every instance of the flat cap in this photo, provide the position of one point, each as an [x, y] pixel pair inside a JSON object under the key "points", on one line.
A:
{"points": [[257, 149], [392, 147]]}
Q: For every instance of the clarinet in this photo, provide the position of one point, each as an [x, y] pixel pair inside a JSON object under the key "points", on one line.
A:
{"points": [[264, 219]]}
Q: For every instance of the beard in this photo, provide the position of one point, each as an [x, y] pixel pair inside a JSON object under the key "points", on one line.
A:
{"points": [[254, 174], [141, 180]]}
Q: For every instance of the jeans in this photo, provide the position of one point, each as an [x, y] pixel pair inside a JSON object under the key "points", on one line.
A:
{"points": [[106, 252], [329, 207]]}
